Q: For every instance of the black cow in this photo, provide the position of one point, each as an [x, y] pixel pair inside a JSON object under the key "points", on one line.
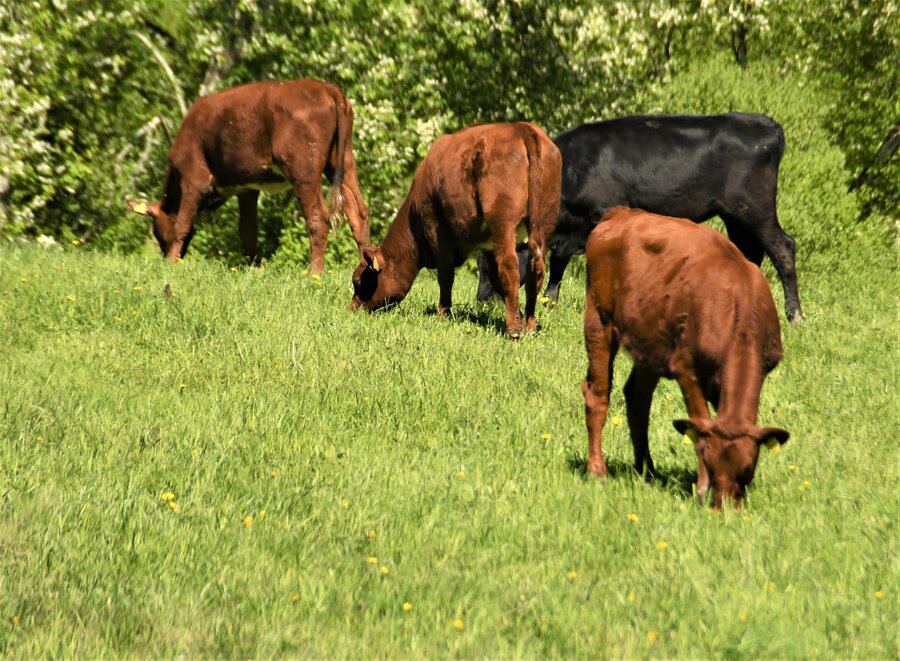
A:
{"points": [[689, 166]]}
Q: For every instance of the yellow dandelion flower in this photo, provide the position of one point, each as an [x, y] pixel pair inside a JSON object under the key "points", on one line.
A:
{"points": [[545, 299], [371, 534], [23, 280], [633, 518], [15, 620], [234, 269], [137, 288], [807, 484], [879, 595], [631, 597], [742, 617], [461, 474], [117, 291], [572, 575], [173, 505], [117, 318], [70, 297], [522, 598], [76, 242], [546, 437], [792, 468], [407, 606], [458, 624], [662, 545], [274, 473], [345, 503], [195, 452], [295, 598], [248, 521], [373, 560], [617, 420], [182, 386], [668, 397], [167, 497], [651, 636], [385, 570], [315, 277]]}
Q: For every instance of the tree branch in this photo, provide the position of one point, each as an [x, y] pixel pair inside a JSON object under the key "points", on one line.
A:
{"points": [[176, 84]]}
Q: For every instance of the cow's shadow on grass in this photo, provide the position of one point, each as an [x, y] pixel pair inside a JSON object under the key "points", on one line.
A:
{"points": [[678, 480], [488, 316]]}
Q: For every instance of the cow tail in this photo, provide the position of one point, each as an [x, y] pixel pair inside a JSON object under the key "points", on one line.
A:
{"points": [[344, 131], [535, 176]]}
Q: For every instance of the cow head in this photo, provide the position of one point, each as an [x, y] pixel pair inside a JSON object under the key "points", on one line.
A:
{"points": [[163, 223], [728, 454], [375, 283]]}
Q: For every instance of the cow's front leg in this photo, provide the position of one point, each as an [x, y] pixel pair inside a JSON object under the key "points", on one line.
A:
{"points": [[601, 345], [697, 408], [248, 225], [445, 274]]}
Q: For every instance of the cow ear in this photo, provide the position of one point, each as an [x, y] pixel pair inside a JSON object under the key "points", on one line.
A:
{"points": [[144, 208], [373, 258], [692, 428], [770, 436]]}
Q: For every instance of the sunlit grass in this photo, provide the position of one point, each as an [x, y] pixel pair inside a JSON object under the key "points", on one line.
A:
{"points": [[247, 468]]}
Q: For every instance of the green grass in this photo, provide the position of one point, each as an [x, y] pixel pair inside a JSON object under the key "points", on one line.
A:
{"points": [[257, 393]]}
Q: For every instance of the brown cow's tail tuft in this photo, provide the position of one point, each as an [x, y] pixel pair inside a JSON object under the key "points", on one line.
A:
{"points": [[344, 130], [535, 174]]}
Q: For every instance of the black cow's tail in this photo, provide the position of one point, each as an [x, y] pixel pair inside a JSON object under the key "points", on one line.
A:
{"points": [[344, 128]]}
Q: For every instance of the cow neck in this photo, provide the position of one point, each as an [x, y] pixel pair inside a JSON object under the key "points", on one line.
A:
{"points": [[401, 250], [742, 379]]}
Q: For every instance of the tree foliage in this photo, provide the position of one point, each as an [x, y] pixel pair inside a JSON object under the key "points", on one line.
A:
{"points": [[94, 90]]}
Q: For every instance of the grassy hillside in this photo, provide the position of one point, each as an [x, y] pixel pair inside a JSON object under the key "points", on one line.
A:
{"points": [[247, 468]]}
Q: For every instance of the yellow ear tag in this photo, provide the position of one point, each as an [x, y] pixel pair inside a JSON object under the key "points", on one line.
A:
{"points": [[691, 436], [140, 208], [773, 445], [375, 265]]}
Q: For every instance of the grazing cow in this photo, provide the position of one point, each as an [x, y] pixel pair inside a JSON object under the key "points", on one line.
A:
{"points": [[478, 187], [268, 136], [687, 166], [686, 305]]}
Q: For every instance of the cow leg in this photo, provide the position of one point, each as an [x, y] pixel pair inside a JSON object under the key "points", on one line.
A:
{"points": [[781, 249], [601, 345], [534, 278], [183, 230], [248, 224], [638, 396], [558, 264], [508, 271], [316, 213], [697, 408], [744, 240], [445, 274], [488, 280]]}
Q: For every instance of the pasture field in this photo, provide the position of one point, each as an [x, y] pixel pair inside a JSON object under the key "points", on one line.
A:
{"points": [[246, 468]]}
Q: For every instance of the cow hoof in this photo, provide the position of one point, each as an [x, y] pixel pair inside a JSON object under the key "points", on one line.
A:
{"points": [[796, 317], [513, 334]]}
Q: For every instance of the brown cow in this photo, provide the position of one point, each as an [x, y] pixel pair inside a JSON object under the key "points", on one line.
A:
{"points": [[476, 188], [267, 136], [686, 305]]}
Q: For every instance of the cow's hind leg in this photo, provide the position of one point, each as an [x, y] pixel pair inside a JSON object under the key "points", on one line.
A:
{"points": [[601, 345], [248, 225], [488, 279], [508, 272], [557, 264], [445, 275], [638, 396], [534, 278]]}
